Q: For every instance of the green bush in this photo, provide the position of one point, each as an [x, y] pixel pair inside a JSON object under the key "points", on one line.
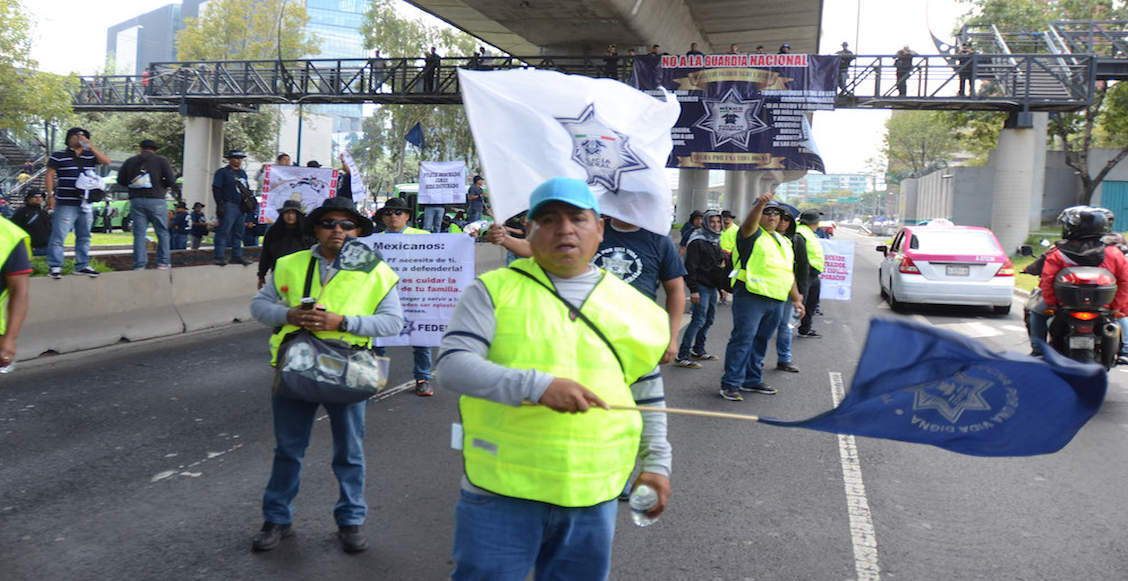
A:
{"points": [[39, 266]]}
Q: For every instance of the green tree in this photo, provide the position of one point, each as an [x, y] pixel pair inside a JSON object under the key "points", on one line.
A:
{"points": [[247, 30], [28, 95], [226, 30], [1101, 124], [919, 141], [384, 154]]}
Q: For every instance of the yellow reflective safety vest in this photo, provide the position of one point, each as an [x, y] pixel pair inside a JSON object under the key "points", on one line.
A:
{"points": [[408, 230], [769, 271], [533, 452], [815, 255], [347, 293], [728, 238], [10, 237]]}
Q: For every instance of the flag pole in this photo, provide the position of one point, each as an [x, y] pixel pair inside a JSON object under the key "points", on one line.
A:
{"points": [[676, 411], [689, 412]]}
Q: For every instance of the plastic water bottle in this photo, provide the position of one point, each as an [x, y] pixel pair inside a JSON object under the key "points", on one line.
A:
{"points": [[643, 498], [795, 318]]}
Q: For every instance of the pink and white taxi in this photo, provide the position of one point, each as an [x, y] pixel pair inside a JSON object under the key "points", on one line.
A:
{"points": [[942, 264]]}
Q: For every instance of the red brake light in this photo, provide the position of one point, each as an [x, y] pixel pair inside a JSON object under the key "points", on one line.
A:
{"points": [[907, 266], [1007, 269], [1100, 279], [1084, 315]]}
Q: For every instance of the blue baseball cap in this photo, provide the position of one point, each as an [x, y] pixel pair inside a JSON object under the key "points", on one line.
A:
{"points": [[571, 191]]}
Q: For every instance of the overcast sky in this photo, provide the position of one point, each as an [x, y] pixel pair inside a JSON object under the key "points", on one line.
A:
{"points": [[70, 35]]}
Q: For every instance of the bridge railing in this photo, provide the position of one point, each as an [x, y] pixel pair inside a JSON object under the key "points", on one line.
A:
{"points": [[1001, 80], [1104, 38], [1044, 80]]}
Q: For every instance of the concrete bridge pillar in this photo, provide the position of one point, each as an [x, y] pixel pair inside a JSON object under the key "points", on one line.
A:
{"points": [[736, 188], [203, 154], [1018, 179], [693, 193]]}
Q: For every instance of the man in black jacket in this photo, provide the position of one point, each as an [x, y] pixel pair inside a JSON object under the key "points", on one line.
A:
{"points": [[35, 221], [707, 275], [148, 175]]}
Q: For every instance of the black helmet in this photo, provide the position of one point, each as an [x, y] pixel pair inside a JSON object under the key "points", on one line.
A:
{"points": [[1079, 222]]}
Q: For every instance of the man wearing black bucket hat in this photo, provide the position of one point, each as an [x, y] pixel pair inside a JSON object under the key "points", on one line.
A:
{"points": [[353, 306], [395, 215]]}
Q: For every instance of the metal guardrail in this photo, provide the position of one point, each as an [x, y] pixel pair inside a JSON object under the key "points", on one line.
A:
{"points": [[1004, 82], [1032, 82]]}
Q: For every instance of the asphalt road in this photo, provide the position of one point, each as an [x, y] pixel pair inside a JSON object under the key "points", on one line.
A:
{"points": [[147, 461]]}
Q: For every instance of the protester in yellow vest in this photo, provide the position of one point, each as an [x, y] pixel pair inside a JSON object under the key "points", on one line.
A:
{"points": [[728, 233], [15, 275], [394, 215], [540, 485], [354, 306], [816, 261], [764, 280]]}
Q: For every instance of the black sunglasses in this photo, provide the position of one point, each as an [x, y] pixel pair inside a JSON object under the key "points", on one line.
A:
{"points": [[329, 224], [396, 212], [773, 212]]}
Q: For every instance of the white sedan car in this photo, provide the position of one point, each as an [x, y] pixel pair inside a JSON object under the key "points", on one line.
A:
{"points": [[946, 265]]}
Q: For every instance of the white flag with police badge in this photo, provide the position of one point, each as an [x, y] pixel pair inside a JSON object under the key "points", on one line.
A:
{"points": [[530, 126]]}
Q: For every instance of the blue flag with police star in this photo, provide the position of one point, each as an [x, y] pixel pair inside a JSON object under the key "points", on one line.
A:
{"points": [[916, 383]]}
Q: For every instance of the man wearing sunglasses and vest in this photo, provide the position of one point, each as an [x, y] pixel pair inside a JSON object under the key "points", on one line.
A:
{"points": [[763, 278], [395, 215], [354, 306], [540, 350]]}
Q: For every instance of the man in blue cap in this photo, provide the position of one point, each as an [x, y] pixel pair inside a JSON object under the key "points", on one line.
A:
{"points": [[539, 486]]}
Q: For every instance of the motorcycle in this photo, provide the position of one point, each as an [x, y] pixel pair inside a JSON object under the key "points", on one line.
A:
{"points": [[1082, 327]]}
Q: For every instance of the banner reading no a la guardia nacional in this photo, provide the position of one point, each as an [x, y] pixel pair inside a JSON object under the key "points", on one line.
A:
{"points": [[743, 112], [434, 269]]}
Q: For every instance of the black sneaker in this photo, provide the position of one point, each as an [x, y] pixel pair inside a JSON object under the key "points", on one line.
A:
{"points": [[787, 366], [704, 357], [220, 262], [731, 394], [761, 388], [270, 535], [55, 273], [423, 388], [241, 261], [687, 363], [352, 539], [88, 272], [812, 334]]}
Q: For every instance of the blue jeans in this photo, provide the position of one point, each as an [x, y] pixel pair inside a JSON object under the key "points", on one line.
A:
{"points": [[63, 220], [142, 211], [1038, 325], [230, 231], [784, 333], [421, 367], [433, 218], [293, 422], [703, 314], [754, 321], [497, 538], [178, 241], [473, 214]]}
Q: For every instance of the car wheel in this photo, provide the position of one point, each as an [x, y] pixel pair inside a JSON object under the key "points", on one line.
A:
{"points": [[895, 304], [1001, 310]]}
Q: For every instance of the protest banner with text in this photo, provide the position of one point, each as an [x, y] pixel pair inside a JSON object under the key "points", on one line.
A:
{"points": [[838, 275], [442, 182], [310, 186]]}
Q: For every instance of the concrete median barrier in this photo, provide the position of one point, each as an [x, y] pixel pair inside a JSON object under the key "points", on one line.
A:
{"points": [[78, 312], [213, 296]]}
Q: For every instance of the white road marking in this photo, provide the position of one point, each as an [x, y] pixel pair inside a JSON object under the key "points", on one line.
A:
{"points": [[861, 522], [182, 469]]}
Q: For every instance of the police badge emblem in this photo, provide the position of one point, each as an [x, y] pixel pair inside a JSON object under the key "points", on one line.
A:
{"points": [[603, 152]]}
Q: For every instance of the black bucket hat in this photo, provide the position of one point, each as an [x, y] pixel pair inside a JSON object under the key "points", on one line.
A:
{"points": [[338, 204], [395, 204]]}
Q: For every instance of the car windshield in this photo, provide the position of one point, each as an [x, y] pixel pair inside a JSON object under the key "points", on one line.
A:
{"points": [[954, 242]]}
